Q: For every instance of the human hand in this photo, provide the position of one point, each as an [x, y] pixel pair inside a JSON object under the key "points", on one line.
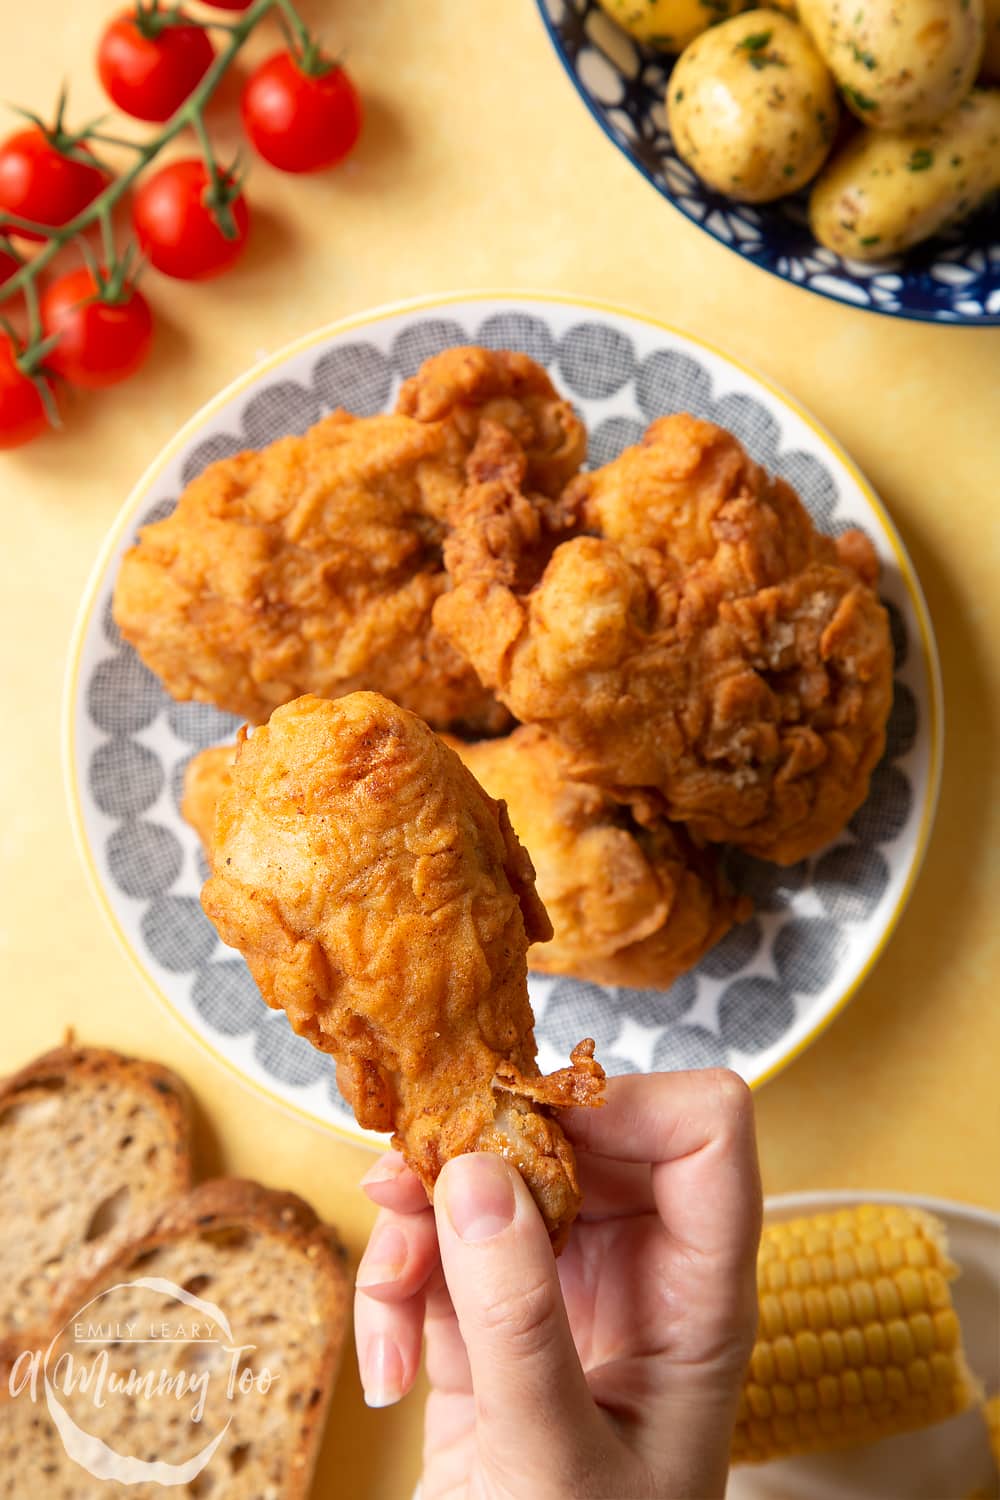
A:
{"points": [[614, 1372]]}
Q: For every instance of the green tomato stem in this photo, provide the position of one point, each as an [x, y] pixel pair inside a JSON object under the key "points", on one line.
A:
{"points": [[190, 114]]}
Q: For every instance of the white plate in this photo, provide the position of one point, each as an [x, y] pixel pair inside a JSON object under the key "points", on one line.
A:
{"points": [[772, 985], [946, 1462]]}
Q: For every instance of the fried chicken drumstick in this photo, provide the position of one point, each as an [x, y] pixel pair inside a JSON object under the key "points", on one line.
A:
{"points": [[382, 901], [678, 623], [313, 565], [630, 905]]}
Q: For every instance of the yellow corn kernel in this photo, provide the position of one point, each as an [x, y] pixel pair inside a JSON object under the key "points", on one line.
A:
{"points": [[922, 1330], [784, 1400], [876, 1344], [947, 1330], [840, 1307], [785, 1358], [854, 1346], [810, 1353], [794, 1310], [762, 1363], [828, 1390], [900, 1341]]}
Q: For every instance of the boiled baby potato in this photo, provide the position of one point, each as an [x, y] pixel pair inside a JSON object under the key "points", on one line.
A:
{"points": [[888, 190], [899, 63], [752, 108], [670, 24], [990, 67]]}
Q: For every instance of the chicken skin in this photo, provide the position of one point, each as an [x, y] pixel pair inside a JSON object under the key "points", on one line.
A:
{"points": [[314, 564], [679, 625], [630, 905], [207, 776], [381, 899]]}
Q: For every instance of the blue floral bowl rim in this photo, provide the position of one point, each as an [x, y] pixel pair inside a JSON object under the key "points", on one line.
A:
{"points": [[905, 315]]}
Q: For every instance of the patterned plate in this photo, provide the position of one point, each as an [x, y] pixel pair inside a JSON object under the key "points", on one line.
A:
{"points": [[954, 278], [771, 985]]}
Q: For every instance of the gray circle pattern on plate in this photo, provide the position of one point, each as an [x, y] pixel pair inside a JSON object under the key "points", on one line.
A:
{"points": [[754, 1012], [688, 1047], [125, 778], [227, 997], [201, 724], [595, 361], [521, 331], [901, 731], [219, 445], [423, 340], [291, 407], [886, 812], [577, 1009], [145, 859], [177, 932], [286, 1056], [611, 438], [733, 952], [806, 951], [670, 381], [359, 368]]}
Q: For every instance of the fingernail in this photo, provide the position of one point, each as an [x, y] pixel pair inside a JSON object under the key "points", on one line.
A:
{"points": [[479, 1197], [384, 1258], [382, 1171], [382, 1372]]}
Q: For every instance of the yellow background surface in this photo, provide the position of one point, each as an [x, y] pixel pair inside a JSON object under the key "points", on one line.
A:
{"points": [[480, 168]]}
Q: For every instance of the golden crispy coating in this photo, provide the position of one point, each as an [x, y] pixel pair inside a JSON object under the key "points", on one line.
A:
{"points": [[313, 565], [206, 778], [468, 386], [630, 905], [381, 899], [702, 643]]}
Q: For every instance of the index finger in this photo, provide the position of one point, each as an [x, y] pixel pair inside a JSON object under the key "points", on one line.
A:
{"points": [[658, 1117], [697, 1132]]}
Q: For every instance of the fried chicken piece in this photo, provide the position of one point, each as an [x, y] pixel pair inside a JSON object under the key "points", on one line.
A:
{"points": [[469, 386], [314, 564], [630, 905], [208, 775], [700, 644], [381, 899]]}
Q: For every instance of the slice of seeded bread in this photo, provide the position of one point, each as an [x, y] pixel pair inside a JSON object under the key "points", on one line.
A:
{"points": [[88, 1139], [266, 1263]]}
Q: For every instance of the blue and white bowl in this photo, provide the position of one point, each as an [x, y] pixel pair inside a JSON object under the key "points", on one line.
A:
{"points": [[768, 989], [954, 278]]}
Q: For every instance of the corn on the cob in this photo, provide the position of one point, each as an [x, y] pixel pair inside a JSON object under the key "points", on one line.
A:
{"points": [[858, 1337]]}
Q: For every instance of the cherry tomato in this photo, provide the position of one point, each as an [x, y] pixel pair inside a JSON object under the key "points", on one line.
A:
{"points": [[229, 4], [22, 411], [176, 226], [8, 265], [37, 182], [297, 120], [148, 71], [100, 343]]}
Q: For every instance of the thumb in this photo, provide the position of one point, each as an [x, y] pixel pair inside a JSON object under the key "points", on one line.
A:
{"points": [[530, 1389]]}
